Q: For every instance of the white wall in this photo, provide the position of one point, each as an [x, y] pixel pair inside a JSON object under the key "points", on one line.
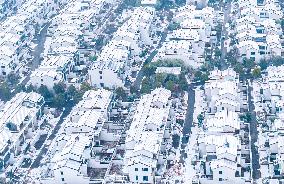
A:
{"points": [[140, 173], [108, 77]]}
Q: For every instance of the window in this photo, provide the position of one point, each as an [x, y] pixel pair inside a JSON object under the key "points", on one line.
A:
{"points": [[62, 179], [260, 31], [100, 72], [144, 169], [145, 178], [61, 172], [136, 169], [220, 179], [101, 77], [220, 172], [262, 15], [136, 177], [252, 53]]}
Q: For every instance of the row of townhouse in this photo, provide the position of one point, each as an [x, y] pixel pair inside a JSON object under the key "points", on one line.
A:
{"points": [[61, 49], [188, 42], [17, 31], [92, 148], [83, 143], [116, 62], [149, 139], [221, 153], [268, 102], [257, 29], [53, 69], [19, 121]]}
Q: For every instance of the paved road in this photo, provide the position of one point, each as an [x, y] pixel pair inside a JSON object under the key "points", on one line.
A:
{"points": [[254, 137], [188, 123], [40, 40], [190, 109], [37, 160], [225, 35]]}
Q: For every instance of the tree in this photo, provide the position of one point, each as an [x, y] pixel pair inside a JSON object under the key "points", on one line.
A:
{"points": [[239, 69], [213, 63], [59, 88], [144, 53], [277, 61], [159, 79], [246, 117], [71, 91], [19, 88], [30, 88], [164, 4], [77, 96], [173, 26], [170, 85], [146, 85], [85, 87], [43, 90], [180, 2], [120, 93], [132, 3], [93, 58], [218, 52], [200, 119], [99, 42], [133, 89], [248, 63], [149, 69], [5, 92], [263, 63], [256, 73], [59, 100], [183, 83], [201, 76], [12, 78]]}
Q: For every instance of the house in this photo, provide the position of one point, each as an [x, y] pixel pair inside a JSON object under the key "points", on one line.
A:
{"points": [[19, 120], [53, 69], [114, 64], [258, 34], [223, 145], [68, 164], [148, 138], [18, 30], [73, 153], [189, 41], [108, 71]]}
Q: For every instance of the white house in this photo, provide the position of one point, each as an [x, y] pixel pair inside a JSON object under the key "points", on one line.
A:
{"points": [[148, 138], [18, 120], [69, 162], [53, 69]]}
